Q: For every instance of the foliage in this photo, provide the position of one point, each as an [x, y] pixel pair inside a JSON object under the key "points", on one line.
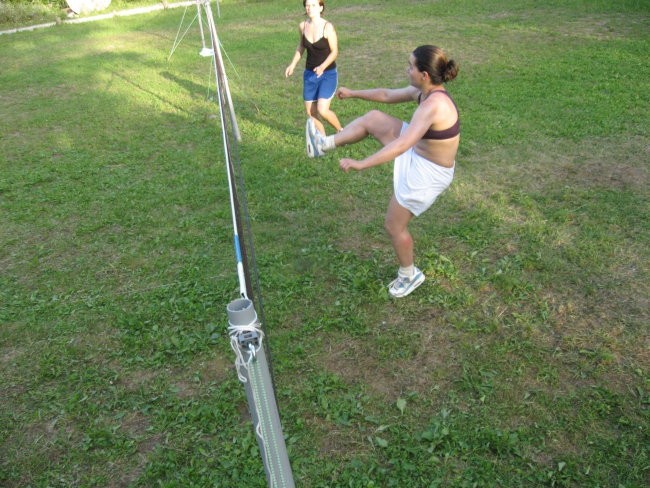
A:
{"points": [[23, 13]]}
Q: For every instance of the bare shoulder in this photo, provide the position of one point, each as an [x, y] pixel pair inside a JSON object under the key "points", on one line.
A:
{"points": [[441, 101], [441, 107], [329, 28], [442, 97]]}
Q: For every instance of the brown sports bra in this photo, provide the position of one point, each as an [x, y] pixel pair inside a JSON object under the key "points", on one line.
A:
{"points": [[448, 133]]}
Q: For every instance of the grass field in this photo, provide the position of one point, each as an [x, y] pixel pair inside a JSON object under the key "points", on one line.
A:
{"points": [[523, 360]]}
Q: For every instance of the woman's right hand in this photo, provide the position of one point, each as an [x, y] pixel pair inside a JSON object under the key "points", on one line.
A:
{"points": [[344, 92], [288, 72], [346, 164]]}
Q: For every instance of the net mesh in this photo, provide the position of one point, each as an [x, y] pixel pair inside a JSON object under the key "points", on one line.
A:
{"points": [[231, 138]]}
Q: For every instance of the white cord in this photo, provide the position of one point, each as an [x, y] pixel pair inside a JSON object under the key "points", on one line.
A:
{"points": [[241, 365], [235, 331]]}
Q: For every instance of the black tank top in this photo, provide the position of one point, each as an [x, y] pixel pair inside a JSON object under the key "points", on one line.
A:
{"points": [[317, 52]]}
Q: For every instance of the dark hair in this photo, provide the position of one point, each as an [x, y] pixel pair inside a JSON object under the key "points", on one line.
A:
{"points": [[434, 61], [320, 2]]}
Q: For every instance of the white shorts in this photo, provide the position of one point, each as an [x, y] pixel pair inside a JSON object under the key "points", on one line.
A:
{"points": [[417, 182]]}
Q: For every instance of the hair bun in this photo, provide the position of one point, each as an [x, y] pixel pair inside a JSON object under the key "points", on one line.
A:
{"points": [[451, 70]]}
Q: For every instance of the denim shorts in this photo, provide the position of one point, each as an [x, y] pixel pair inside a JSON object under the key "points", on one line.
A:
{"points": [[317, 88]]}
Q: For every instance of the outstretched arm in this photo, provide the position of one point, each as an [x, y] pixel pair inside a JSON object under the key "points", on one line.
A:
{"points": [[387, 153], [382, 95], [418, 125]]}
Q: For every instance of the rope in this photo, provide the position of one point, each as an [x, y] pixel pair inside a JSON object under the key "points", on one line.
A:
{"points": [[177, 41], [263, 411], [248, 371], [235, 332]]}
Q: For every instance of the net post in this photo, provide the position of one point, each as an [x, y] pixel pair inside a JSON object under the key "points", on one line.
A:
{"points": [[218, 66], [253, 370]]}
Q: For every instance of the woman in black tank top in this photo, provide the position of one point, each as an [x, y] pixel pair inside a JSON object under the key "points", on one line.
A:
{"points": [[320, 77]]}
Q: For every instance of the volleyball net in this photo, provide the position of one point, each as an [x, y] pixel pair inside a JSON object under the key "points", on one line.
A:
{"points": [[245, 314]]}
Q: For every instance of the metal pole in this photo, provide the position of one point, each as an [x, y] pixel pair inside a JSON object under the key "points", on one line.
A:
{"points": [[205, 51], [252, 368], [246, 334], [218, 62]]}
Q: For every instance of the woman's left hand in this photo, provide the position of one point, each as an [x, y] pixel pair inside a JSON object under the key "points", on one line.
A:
{"points": [[319, 71], [346, 164]]}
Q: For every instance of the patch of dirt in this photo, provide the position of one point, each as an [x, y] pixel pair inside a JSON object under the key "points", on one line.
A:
{"points": [[431, 363], [600, 163], [609, 164], [136, 425], [204, 372]]}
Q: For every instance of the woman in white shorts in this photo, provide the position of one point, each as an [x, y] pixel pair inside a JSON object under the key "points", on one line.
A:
{"points": [[424, 150]]}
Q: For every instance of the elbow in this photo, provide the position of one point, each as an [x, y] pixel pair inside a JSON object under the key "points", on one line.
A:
{"points": [[384, 97]]}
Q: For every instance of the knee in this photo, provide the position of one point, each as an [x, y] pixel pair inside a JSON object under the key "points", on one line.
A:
{"points": [[373, 115], [323, 111], [372, 121], [397, 234]]}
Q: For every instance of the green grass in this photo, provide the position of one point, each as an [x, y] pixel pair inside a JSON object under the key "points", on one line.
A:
{"points": [[522, 360]]}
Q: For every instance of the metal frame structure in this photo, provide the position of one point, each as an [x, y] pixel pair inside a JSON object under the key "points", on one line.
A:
{"points": [[246, 331]]}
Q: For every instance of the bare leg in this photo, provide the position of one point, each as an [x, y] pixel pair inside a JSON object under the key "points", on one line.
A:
{"points": [[383, 127], [312, 111], [396, 224], [330, 117]]}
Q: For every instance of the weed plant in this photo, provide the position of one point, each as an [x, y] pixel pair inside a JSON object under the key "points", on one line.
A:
{"points": [[521, 361]]}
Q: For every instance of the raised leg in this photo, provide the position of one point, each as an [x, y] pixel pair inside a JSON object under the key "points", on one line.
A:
{"points": [[383, 127]]}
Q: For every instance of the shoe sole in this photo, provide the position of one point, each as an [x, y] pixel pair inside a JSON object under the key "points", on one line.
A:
{"points": [[411, 288], [310, 148], [311, 143]]}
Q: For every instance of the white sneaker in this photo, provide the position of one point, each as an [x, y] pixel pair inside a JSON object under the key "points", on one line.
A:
{"points": [[309, 147], [314, 140], [403, 285]]}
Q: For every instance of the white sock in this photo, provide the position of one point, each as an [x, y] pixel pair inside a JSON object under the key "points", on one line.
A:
{"points": [[328, 143], [408, 271]]}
